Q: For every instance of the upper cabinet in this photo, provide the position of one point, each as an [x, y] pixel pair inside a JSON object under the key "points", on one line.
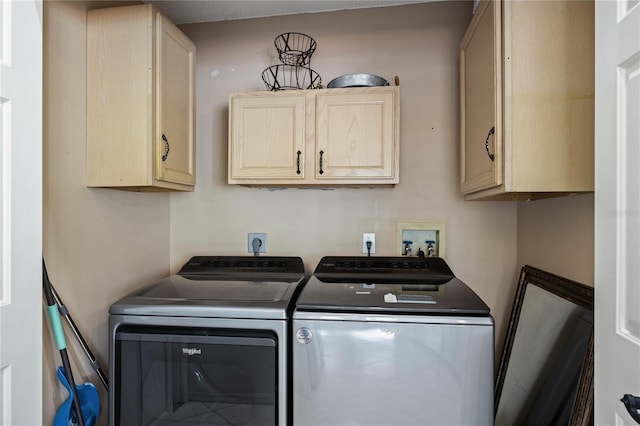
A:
{"points": [[527, 100], [140, 101], [319, 137]]}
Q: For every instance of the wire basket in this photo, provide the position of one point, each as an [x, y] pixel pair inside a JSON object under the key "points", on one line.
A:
{"points": [[290, 77], [295, 48]]}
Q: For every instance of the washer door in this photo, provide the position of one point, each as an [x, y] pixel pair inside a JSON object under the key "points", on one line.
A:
{"points": [[174, 375]]}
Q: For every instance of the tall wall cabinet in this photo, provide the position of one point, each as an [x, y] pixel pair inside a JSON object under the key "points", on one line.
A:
{"points": [[140, 101], [321, 137], [527, 100]]}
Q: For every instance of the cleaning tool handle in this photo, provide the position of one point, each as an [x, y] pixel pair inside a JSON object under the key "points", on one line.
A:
{"points": [[62, 309], [46, 284], [74, 391], [58, 332], [56, 325], [54, 315]]}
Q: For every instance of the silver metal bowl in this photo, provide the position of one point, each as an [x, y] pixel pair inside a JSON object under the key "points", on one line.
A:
{"points": [[357, 80]]}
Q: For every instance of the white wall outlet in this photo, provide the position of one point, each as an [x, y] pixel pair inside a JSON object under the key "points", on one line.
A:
{"points": [[368, 237], [262, 237]]}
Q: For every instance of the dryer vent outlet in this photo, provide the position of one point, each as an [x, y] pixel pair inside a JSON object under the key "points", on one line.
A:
{"points": [[261, 242]]}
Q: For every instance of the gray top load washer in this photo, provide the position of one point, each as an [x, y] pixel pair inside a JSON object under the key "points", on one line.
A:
{"points": [[391, 340], [210, 343], [221, 287]]}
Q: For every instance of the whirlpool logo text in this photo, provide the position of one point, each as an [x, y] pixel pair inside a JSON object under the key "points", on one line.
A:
{"points": [[191, 351]]}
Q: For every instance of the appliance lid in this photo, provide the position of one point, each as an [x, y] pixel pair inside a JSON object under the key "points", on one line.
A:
{"points": [[253, 268], [179, 288], [209, 286], [388, 285], [391, 270]]}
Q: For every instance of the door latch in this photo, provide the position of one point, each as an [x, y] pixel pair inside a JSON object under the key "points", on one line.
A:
{"points": [[632, 404]]}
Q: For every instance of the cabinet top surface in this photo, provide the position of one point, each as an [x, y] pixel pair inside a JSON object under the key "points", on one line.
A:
{"points": [[322, 91]]}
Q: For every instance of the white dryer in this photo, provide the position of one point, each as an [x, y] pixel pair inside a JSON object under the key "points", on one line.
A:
{"points": [[391, 341]]}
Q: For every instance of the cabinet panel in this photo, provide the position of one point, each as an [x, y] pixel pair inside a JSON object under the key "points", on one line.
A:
{"points": [[266, 134], [140, 86], [174, 141], [282, 138], [119, 103], [354, 136], [481, 96], [550, 78], [538, 60]]}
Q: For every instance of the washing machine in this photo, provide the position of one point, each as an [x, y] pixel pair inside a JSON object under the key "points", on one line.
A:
{"points": [[209, 345], [391, 341]]}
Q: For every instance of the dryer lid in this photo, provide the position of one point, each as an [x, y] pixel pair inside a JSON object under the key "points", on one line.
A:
{"points": [[424, 286]]}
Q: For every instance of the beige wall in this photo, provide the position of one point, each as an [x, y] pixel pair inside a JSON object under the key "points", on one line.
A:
{"points": [[418, 43], [99, 244], [557, 235]]}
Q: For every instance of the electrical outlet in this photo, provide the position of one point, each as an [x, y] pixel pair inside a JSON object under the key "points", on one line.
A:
{"points": [[263, 242], [368, 237]]}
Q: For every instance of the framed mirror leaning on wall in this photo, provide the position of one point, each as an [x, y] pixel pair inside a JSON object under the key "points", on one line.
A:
{"points": [[545, 375]]}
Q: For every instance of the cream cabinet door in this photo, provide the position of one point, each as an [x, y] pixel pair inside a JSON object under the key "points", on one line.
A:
{"points": [[527, 100], [267, 137], [355, 136], [174, 140], [140, 101], [481, 94]]}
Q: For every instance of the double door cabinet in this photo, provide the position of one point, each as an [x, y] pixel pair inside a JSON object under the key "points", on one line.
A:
{"points": [[140, 101], [321, 137], [527, 100]]}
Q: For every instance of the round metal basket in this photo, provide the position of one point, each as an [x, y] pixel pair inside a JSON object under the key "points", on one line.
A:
{"points": [[290, 77], [295, 48]]}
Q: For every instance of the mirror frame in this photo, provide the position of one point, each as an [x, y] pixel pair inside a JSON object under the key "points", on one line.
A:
{"points": [[581, 295]]}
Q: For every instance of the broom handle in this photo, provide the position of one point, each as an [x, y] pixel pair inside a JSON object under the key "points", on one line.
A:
{"points": [[92, 359], [61, 343], [76, 399]]}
